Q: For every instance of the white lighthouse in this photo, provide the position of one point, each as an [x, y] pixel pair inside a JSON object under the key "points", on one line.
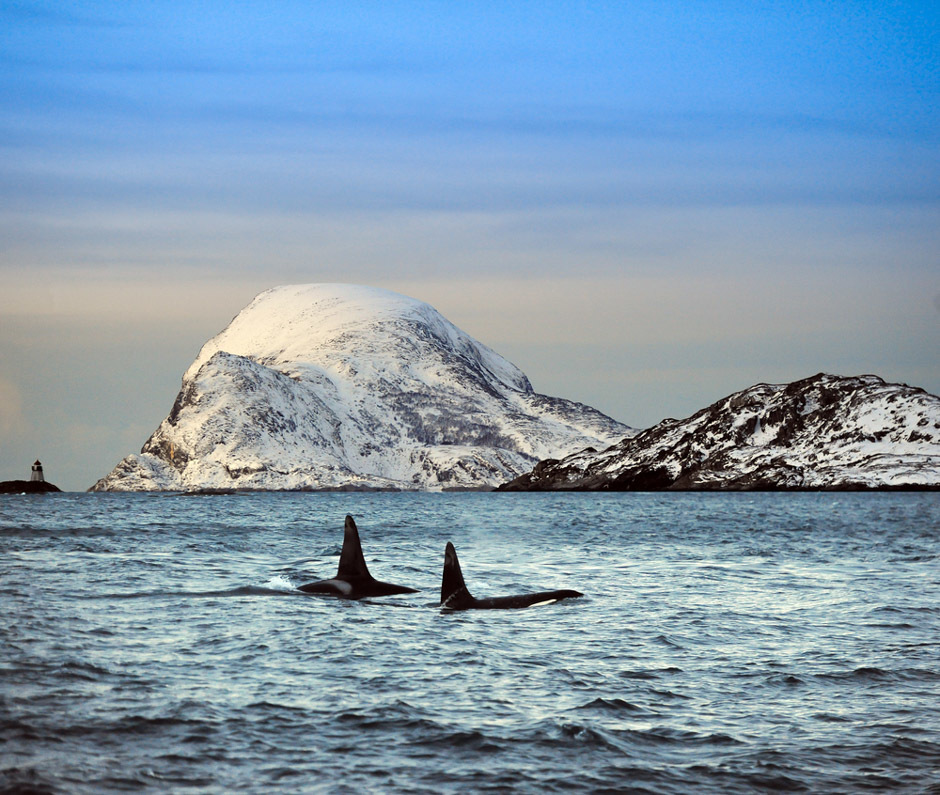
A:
{"points": [[36, 474]]}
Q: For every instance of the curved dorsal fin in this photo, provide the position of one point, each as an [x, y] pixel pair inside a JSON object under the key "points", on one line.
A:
{"points": [[352, 563], [454, 593]]}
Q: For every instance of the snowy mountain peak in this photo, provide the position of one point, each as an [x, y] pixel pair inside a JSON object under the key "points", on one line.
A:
{"points": [[350, 325], [340, 386]]}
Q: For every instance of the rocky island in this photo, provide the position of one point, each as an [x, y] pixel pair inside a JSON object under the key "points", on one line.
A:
{"points": [[328, 386], [35, 485], [823, 432]]}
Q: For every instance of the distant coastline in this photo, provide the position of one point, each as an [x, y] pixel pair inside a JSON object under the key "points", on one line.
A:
{"points": [[343, 388], [353, 489]]}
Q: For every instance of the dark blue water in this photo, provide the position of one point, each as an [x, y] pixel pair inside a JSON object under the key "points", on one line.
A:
{"points": [[727, 643]]}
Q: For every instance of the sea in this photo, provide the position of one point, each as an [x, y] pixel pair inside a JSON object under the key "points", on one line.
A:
{"points": [[746, 642]]}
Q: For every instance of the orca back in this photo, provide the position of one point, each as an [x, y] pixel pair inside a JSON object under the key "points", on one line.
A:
{"points": [[455, 596], [353, 580], [525, 600]]}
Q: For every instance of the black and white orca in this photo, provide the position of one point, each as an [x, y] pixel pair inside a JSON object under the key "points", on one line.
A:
{"points": [[352, 580], [455, 596]]}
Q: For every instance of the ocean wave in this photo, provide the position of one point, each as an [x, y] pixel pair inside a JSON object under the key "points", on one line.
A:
{"points": [[241, 590], [85, 671], [26, 781], [13, 728], [874, 674], [666, 640], [654, 674], [669, 694], [915, 609], [786, 680], [60, 672], [612, 705], [448, 740], [629, 740]]}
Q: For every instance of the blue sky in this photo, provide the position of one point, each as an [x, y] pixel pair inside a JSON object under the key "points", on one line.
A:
{"points": [[645, 206]]}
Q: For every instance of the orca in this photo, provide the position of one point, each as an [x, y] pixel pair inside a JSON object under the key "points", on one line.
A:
{"points": [[352, 580], [455, 596]]}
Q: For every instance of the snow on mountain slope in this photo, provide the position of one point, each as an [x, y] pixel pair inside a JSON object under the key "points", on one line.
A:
{"points": [[339, 386], [824, 432]]}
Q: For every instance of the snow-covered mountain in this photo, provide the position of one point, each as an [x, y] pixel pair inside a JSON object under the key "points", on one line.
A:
{"points": [[340, 386], [824, 432]]}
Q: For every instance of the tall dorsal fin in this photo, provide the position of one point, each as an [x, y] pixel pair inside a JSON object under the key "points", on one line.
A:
{"points": [[352, 562], [454, 593]]}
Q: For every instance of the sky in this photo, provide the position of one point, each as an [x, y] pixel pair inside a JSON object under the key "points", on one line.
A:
{"points": [[646, 206]]}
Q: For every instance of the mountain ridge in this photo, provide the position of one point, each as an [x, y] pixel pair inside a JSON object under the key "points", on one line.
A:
{"points": [[822, 432]]}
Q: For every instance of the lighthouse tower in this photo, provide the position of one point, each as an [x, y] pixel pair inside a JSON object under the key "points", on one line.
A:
{"points": [[37, 473]]}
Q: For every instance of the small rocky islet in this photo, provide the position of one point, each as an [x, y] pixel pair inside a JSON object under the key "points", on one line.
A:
{"points": [[37, 483]]}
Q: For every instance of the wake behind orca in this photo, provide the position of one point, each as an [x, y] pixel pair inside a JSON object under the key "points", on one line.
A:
{"points": [[455, 596], [352, 580]]}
